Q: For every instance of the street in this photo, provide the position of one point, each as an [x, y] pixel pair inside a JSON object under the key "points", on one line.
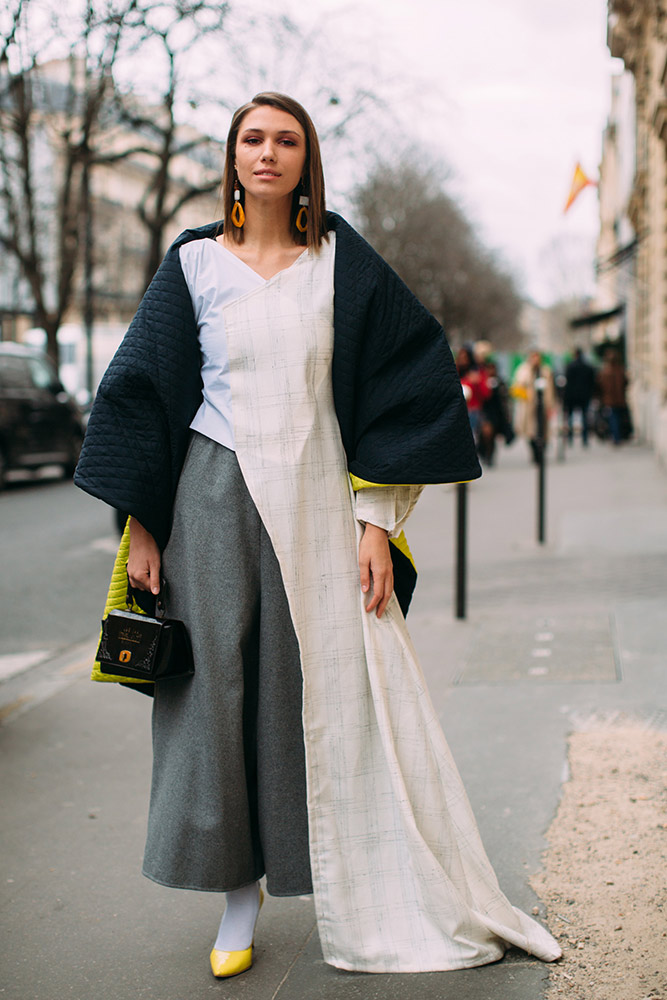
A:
{"points": [[56, 546], [521, 209], [557, 636]]}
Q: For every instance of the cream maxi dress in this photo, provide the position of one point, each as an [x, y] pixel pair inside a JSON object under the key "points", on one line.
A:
{"points": [[401, 881]]}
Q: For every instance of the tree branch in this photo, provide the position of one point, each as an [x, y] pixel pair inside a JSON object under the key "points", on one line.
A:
{"points": [[189, 195]]}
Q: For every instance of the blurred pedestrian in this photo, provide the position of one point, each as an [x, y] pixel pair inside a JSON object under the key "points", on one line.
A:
{"points": [[482, 352], [578, 393], [304, 747], [496, 418], [612, 382], [475, 386], [533, 374]]}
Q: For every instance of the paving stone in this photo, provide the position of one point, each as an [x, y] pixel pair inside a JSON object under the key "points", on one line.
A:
{"points": [[542, 649]]}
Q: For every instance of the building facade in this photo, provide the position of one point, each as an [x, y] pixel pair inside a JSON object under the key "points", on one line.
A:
{"points": [[616, 248], [637, 34]]}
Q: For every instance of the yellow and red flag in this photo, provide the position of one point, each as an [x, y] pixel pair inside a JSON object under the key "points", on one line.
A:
{"points": [[579, 182]]}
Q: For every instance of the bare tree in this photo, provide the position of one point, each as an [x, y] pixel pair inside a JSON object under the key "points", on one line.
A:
{"points": [[173, 35], [420, 230], [48, 131], [99, 111], [59, 122]]}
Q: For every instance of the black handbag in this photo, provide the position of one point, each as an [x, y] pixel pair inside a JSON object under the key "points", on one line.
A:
{"points": [[145, 647]]}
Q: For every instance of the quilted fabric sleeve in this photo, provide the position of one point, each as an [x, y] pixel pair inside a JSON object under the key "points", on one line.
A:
{"points": [[138, 428], [398, 397]]}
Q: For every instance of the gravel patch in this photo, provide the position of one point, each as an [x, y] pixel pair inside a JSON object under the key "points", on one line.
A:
{"points": [[604, 880]]}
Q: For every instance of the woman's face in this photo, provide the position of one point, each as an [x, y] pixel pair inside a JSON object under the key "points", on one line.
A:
{"points": [[270, 153]]}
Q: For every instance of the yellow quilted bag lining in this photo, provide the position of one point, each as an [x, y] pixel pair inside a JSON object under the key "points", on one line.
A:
{"points": [[117, 600]]}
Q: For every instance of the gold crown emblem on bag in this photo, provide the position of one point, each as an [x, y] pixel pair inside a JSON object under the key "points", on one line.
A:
{"points": [[130, 634]]}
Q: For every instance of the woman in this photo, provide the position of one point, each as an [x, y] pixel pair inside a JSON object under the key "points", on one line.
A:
{"points": [[532, 373], [612, 383], [304, 747], [475, 386], [496, 416]]}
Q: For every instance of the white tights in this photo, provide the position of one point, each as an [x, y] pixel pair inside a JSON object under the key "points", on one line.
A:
{"points": [[237, 927]]}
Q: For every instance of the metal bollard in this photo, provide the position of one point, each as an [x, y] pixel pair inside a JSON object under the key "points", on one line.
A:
{"points": [[461, 548], [541, 443], [562, 435]]}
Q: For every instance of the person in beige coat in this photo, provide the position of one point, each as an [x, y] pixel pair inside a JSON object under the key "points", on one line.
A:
{"points": [[524, 391]]}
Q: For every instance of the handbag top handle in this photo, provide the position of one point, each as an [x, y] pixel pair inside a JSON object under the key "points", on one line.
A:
{"points": [[160, 609]]}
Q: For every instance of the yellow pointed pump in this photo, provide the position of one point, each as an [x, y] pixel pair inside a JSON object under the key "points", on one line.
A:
{"points": [[233, 963]]}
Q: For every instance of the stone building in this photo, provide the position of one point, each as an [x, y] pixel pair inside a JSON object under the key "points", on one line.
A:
{"points": [[616, 244], [637, 34]]}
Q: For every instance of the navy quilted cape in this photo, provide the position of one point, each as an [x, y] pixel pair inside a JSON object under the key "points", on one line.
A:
{"points": [[398, 398]]}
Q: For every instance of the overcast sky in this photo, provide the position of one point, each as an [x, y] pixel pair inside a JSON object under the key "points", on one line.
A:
{"points": [[511, 93], [508, 93]]}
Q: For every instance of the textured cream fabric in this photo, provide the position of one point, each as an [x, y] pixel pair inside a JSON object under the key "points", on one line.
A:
{"points": [[387, 506], [401, 880]]}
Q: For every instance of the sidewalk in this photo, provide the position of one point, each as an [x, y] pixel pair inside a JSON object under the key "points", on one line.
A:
{"points": [[557, 635]]}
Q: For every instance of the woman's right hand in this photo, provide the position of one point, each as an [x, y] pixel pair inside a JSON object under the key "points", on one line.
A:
{"points": [[144, 561]]}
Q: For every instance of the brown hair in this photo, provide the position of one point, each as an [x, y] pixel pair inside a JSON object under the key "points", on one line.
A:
{"points": [[314, 183]]}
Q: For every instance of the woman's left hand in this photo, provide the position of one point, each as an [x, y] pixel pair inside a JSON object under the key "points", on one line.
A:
{"points": [[375, 565]]}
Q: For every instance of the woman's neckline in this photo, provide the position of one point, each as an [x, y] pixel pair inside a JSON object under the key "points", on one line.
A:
{"points": [[256, 273]]}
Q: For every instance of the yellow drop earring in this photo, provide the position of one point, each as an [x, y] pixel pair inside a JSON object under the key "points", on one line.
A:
{"points": [[238, 215], [302, 216]]}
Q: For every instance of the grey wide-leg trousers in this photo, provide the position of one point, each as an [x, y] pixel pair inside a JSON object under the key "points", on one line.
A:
{"points": [[228, 796]]}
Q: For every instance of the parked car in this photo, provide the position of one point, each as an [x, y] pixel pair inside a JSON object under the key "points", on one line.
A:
{"points": [[40, 423]]}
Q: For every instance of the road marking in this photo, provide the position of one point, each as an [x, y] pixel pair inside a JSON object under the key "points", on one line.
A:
{"points": [[7, 710], [109, 544], [15, 663], [78, 667]]}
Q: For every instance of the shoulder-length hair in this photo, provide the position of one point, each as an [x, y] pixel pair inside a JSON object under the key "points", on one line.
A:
{"points": [[312, 185]]}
